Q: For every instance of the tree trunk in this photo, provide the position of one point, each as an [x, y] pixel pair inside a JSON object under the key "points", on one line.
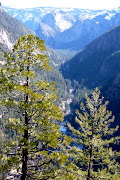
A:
{"points": [[90, 164], [25, 150], [91, 154], [25, 146]]}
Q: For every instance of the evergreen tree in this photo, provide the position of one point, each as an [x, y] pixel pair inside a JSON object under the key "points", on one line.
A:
{"points": [[34, 143], [97, 158]]}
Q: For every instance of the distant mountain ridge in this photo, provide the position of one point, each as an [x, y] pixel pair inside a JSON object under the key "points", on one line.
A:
{"points": [[67, 28]]}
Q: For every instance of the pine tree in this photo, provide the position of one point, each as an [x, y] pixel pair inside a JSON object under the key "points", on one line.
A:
{"points": [[97, 158], [34, 143]]}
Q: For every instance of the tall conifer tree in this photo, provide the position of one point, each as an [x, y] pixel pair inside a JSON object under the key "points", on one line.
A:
{"points": [[96, 159], [32, 148]]}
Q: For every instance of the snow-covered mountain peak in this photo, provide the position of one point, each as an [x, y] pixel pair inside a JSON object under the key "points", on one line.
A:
{"points": [[63, 20]]}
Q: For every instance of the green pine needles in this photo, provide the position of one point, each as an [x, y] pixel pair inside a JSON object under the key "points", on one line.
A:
{"points": [[97, 160], [33, 138]]}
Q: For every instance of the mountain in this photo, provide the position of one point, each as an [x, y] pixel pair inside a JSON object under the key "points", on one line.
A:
{"points": [[10, 30], [98, 65], [67, 28], [53, 24], [30, 17], [98, 62]]}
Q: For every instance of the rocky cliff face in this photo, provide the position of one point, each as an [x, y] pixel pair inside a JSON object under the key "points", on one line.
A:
{"points": [[10, 30], [5, 40]]}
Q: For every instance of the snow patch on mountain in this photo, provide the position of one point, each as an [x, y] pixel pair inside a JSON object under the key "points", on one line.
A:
{"points": [[44, 11], [15, 14], [84, 15], [62, 23], [5, 40], [110, 16], [47, 30], [27, 17], [37, 19]]}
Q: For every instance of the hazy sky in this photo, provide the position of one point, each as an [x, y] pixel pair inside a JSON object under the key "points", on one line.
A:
{"points": [[83, 4]]}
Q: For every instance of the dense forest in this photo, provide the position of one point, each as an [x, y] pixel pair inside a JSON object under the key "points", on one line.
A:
{"points": [[32, 146]]}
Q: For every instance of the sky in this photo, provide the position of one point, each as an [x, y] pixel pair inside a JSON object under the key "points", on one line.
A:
{"points": [[83, 4]]}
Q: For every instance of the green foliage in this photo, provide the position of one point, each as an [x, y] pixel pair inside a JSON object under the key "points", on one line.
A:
{"points": [[79, 93], [97, 159], [62, 85], [34, 142], [65, 55], [14, 29]]}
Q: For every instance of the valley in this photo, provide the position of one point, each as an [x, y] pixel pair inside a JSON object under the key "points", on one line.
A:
{"points": [[86, 50], [83, 47]]}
